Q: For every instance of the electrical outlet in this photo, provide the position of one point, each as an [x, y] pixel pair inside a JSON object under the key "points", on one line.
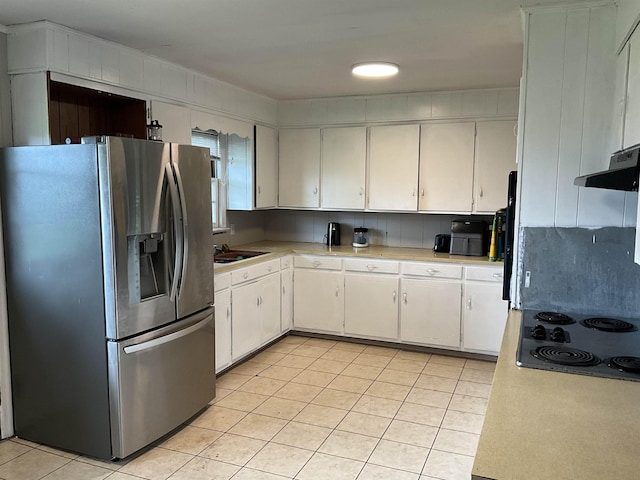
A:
{"points": [[232, 229], [527, 279]]}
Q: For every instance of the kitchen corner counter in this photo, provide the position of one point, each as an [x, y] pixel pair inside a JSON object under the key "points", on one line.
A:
{"points": [[548, 425], [277, 249]]}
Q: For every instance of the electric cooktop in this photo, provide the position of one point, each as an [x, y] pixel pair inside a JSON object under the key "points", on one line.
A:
{"points": [[581, 344]]}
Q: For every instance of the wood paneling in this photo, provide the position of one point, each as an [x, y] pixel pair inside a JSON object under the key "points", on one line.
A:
{"points": [[76, 112]]}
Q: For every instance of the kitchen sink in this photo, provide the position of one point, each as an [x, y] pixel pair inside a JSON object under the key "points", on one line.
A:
{"points": [[235, 255]]}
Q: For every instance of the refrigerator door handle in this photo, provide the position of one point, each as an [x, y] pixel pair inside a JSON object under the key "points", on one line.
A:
{"points": [[177, 212], [185, 223], [138, 347]]}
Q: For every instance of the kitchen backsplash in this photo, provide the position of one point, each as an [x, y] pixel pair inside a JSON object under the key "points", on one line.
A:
{"points": [[581, 270], [389, 229]]}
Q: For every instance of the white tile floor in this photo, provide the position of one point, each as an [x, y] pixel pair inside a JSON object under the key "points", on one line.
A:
{"points": [[308, 409]]}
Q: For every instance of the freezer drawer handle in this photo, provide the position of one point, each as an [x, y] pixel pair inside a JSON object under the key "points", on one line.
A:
{"points": [[138, 347]]}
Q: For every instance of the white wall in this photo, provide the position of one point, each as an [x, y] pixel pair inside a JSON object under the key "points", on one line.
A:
{"points": [[569, 75], [626, 19]]}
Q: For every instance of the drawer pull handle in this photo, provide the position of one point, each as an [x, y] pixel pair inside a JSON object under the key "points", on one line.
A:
{"points": [[404, 296], [497, 275], [432, 271], [315, 191], [245, 275], [394, 296], [371, 268], [228, 312], [316, 264], [469, 303], [269, 268], [337, 291]]}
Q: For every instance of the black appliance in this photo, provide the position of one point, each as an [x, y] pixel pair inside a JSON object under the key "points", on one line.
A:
{"points": [[622, 174], [442, 243], [509, 226], [468, 237], [581, 344], [333, 234]]}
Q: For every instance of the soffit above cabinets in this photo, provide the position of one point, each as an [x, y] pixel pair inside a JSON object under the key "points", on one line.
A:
{"points": [[288, 49]]}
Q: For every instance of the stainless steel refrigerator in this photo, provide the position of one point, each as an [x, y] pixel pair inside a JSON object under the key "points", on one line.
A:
{"points": [[110, 291]]}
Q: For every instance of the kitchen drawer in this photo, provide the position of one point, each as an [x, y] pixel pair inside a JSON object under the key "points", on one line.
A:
{"points": [[369, 265], [286, 262], [255, 271], [436, 270], [484, 274], [221, 281], [321, 263]]}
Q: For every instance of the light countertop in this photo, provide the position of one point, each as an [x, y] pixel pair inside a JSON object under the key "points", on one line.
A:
{"points": [[277, 249], [549, 425]]}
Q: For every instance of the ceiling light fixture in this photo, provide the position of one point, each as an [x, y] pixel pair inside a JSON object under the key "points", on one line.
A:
{"points": [[375, 69]]}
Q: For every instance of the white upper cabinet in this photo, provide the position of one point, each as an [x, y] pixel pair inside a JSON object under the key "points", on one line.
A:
{"points": [[175, 121], [240, 171], [393, 167], [495, 158], [632, 117], [266, 160], [299, 168], [344, 155], [446, 167]]}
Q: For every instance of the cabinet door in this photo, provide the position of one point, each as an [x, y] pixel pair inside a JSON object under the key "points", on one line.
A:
{"points": [[446, 167], [299, 167], [632, 118], [393, 167], [223, 329], [266, 159], [286, 282], [485, 315], [175, 121], [371, 306], [245, 317], [344, 152], [318, 300], [430, 312], [269, 301], [240, 172], [495, 158]]}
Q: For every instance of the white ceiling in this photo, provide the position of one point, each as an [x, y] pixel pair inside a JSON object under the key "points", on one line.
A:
{"points": [[289, 49]]}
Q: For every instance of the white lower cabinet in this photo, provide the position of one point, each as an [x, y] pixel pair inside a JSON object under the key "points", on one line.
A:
{"points": [[484, 312], [256, 314], [449, 306], [223, 322], [255, 307], [430, 312], [286, 302], [269, 305], [318, 300], [371, 306], [430, 304], [246, 330]]}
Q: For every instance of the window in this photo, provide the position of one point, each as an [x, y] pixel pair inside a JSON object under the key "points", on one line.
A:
{"points": [[216, 144]]}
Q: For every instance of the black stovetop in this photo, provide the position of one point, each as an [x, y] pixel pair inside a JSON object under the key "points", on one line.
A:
{"points": [[582, 344]]}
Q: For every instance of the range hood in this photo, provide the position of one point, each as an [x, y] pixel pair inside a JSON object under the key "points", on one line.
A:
{"points": [[623, 172]]}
